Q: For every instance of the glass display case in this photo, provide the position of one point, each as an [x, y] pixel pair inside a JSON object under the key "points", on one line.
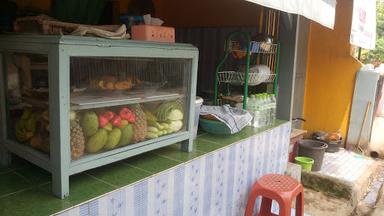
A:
{"points": [[70, 104]]}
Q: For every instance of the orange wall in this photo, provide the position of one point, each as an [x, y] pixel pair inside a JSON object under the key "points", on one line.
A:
{"points": [[330, 74]]}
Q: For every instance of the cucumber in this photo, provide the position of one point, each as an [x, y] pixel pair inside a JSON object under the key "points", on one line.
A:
{"points": [[151, 123], [165, 125], [151, 135], [155, 124], [159, 126], [152, 129]]}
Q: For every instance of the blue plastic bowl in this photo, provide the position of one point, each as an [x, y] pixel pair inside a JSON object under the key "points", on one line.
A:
{"points": [[214, 127]]}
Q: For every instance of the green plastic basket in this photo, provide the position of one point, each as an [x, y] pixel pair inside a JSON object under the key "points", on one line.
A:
{"points": [[214, 127], [305, 162]]}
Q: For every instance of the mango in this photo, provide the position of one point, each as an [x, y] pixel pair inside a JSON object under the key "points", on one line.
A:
{"points": [[113, 138], [126, 135], [97, 141], [90, 123]]}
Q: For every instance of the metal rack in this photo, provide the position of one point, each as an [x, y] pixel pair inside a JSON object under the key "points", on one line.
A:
{"points": [[60, 51], [268, 53]]}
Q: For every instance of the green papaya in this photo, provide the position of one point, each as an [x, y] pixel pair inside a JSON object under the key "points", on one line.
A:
{"points": [[97, 141], [113, 138], [90, 123], [126, 135]]}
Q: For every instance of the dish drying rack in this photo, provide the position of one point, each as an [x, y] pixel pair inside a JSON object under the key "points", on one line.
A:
{"points": [[268, 54], [260, 47], [238, 78]]}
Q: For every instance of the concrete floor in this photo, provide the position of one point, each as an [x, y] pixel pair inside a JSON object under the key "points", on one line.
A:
{"points": [[377, 136], [379, 209], [319, 204], [371, 202], [347, 185]]}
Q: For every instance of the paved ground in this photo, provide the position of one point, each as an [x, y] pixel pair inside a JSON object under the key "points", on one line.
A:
{"points": [[318, 204], [347, 185], [377, 136], [379, 210]]}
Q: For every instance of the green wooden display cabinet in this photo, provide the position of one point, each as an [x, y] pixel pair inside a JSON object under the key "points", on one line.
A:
{"points": [[158, 73]]}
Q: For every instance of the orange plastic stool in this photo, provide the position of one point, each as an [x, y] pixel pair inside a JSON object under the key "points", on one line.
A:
{"points": [[277, 187]]}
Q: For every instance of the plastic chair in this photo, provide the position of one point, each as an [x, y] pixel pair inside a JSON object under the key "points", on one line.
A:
{"points": [[280, 188]]}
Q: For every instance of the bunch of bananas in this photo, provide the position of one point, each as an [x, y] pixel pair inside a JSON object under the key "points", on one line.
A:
{"points": [[26, 126], [33, 128]]}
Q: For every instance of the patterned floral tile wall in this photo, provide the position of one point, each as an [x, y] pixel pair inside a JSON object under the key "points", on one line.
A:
{"points": [[213, 184]]}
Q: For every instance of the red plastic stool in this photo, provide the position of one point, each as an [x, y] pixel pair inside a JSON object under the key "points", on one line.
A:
{"points": [[277, 187]]}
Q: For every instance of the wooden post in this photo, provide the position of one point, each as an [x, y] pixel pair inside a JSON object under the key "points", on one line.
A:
{"points": [[5, 156], [60, 155], [187, 145]]}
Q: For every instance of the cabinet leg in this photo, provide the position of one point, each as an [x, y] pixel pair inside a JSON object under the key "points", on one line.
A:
{"points": [[5, 157], [187, 145], [60, 185]]}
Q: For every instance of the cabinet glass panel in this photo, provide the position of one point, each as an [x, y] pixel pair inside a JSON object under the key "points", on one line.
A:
{"points": [[116, 102], [27, 99]]}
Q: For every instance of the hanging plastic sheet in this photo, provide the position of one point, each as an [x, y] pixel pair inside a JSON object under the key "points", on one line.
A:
{"points": [[321, 11], [363, 30]]}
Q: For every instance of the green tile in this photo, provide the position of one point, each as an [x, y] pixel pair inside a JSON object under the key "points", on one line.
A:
{"points": [[119, 174], [34, 174], [200, 132], [248, 132], [220, 140], [4, 169], [83, 187], [11, 183], [151, 162], [205, 145], [243, 134], [174, 152], [31, 202], [18, 162]]}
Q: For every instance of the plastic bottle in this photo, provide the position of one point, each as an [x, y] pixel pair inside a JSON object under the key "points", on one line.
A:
{"points": [[266, 109], [257, 112], [250, 106], [258, 115], [273, 108], [269, 108], [252, 109], [263, 117]]}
